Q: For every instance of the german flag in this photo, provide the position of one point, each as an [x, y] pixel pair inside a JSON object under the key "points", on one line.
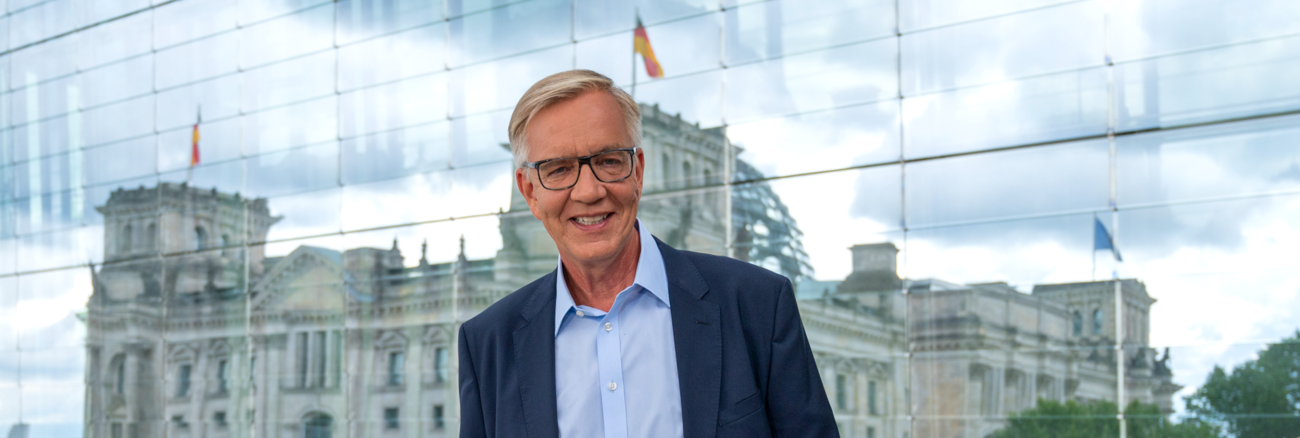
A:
{"points": [[194, 146], [641, 44]]}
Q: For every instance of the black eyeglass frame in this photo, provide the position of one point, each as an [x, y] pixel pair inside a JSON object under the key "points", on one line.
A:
{"points": [[536, 166]]}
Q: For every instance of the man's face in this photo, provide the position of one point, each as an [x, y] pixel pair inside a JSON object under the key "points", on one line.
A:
{"points": [[582, 126]]}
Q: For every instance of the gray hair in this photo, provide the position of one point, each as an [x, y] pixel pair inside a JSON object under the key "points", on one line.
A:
{"points": [[560, 87]]}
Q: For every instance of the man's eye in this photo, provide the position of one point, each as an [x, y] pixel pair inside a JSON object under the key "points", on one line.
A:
{"points": [[558, 171]]}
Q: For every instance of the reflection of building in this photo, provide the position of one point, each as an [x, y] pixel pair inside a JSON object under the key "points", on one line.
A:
{"points": [[980, 352], [217, 340]]}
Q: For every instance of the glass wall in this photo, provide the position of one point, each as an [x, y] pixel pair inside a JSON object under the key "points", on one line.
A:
{"points": [[268, 218]]}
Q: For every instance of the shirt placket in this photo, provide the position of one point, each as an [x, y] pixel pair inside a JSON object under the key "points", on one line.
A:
{"points": [[609, 356]]}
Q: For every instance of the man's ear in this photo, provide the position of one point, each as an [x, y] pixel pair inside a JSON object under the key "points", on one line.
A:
{"points": [[526, 188], [640, 171]]}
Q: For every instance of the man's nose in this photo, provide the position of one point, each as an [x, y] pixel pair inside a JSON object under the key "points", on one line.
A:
{"points": [[588, 189]]}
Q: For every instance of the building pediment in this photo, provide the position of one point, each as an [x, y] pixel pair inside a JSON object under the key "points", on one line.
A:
{"points": [[309, 278]]}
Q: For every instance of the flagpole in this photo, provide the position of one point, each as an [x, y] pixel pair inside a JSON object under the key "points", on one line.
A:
{"points": [[1094, 247], [637, 19]]}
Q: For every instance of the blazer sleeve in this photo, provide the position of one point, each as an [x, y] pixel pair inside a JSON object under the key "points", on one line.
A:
{"points": [[796, 399], [472, 424]]}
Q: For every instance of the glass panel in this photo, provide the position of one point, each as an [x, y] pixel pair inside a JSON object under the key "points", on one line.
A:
{"points": [[115, 82], [42, 21], [49, 302], [1221, 161], [98, 196], [825, 79], [305, 214], [430, 196], [114, 40], [773, 29], [51, 174], [286, 37], [1045, 180], [95, 11], [604, 17], [294, 125], [1048, 108], [202, 59], [497, 85], [1147, 28], [226, 177], [359, 19], [1066, 38], [218, 142], [179, 22], [509, 30], [356, 67], [608, 55], [696, 97], [1188, 369], [480, 140], [392, 106], [284, 82], [921, 14], [40, 101], [682, 47], [217, 99], [251, 12], [825, 140], [293, 171], [120, 161], [1238, 81], [396, 153], [117, 121], [42, 139]]}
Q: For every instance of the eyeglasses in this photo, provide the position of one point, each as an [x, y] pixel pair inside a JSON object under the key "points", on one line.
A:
{"points": [[561, 173]]}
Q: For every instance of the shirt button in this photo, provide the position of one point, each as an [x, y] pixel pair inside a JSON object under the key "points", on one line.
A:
{"points": [[613, 386], [580, 314], [609, 326]]}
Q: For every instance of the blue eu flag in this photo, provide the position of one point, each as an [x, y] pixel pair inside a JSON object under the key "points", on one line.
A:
{"points": [[1101, 240]]}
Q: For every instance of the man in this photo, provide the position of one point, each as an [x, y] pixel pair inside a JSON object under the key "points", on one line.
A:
{"points": [[628, 337]]}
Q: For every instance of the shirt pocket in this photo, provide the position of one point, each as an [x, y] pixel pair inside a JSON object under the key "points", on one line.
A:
{"points": [[740, 410]]}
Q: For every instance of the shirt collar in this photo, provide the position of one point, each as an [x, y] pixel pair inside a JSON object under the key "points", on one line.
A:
{"points": [[651, 275]]}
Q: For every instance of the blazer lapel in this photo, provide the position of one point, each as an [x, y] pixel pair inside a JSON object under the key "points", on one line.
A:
{"points": [[697, 334], [535, 361]]}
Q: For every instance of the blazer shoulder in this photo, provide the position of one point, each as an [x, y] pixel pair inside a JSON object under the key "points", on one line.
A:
{"points": [[503, 314], [728, 274]]}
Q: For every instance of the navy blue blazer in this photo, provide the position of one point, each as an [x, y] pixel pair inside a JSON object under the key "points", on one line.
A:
{"points": [[743, 360]]}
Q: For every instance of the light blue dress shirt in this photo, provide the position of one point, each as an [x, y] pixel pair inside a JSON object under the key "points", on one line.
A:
{"points": [[616, 372]]}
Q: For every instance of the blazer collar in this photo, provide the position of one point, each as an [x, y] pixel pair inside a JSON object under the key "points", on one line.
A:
{"points": [[534, 350], [697, 336]]}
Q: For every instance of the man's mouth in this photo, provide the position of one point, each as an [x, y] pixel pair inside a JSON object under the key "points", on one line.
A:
{"points": [[591, 220]]}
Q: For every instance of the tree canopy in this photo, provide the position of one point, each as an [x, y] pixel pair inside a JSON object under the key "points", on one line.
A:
{"points": [[1098, 419], [1259, 398]]}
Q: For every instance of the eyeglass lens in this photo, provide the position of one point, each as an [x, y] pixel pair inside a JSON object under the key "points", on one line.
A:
{"points": [[563, 173]]}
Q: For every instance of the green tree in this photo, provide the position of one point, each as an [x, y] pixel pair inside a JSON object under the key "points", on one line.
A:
{"points": [[1098, 419], [1259, 399]]}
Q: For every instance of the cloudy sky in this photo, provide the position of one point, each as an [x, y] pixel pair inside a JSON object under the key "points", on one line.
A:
{"points": [[380, 133]]}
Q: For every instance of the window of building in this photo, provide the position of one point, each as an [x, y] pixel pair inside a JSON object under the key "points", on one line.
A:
{"points": [[871, 398], [440, 365], [316, 426], [151, 237], [119, 372], [318, 360], [179, 422], [200, 238], [302, 360], [1078, 323], [115, 431], [124, 242], [396, 360], [1096, 321], [223, 381], [183, 381], [841, 391], [219, 418], [439, 421], [871, 432], [686, 174], [391, 420]]}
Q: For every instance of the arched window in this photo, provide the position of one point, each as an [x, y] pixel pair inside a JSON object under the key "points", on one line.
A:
{"points": [[200, 238], [708, 177], [667, 170], [118, 366], [151, 237], [317, 425], [1096, 321], [124, 241], [225, 245], [1078, 323], [686, 174]]}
